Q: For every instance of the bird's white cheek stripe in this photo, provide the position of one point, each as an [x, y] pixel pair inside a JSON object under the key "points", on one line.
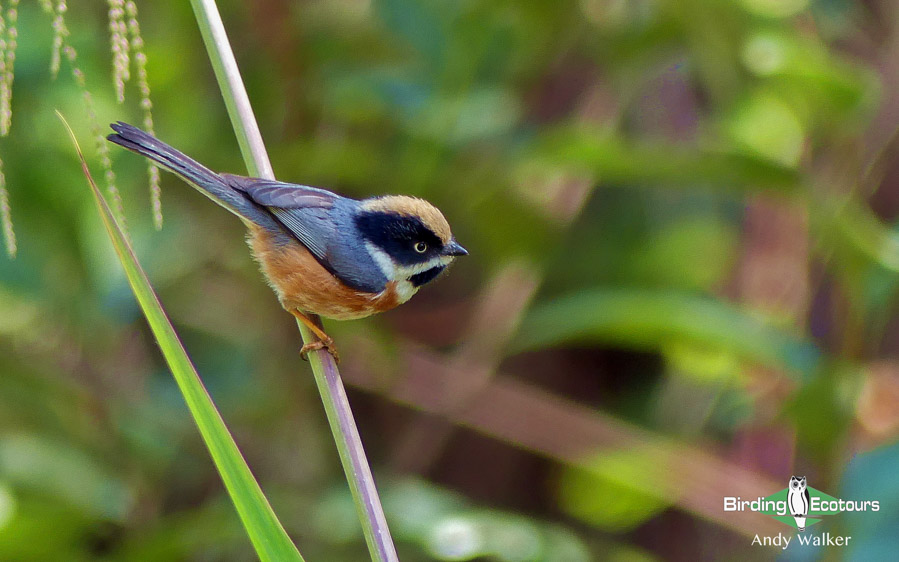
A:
{"points": [[405, 272], [404, 288], [385, 264], [395, 272]]}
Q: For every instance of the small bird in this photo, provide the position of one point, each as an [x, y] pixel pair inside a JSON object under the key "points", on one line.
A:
{"points": [[322, 253]]}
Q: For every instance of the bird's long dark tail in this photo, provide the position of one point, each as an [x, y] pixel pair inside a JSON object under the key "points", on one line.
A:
{"points": [[213, 185]]}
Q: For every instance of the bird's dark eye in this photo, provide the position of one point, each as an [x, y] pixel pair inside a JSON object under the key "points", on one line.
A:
{"points": [[421, 247]]}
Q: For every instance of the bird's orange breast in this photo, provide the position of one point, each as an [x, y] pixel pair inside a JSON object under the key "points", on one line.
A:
{"points": [[303, 284]]}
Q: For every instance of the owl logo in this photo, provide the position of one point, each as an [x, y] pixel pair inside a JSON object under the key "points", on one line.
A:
{"points": [[797, 499]]}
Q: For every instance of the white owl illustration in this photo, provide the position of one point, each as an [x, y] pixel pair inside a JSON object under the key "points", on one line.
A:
{"points": [[798, 500]]}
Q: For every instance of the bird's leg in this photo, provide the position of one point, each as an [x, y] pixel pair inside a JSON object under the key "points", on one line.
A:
{"points": [[324, 341]]}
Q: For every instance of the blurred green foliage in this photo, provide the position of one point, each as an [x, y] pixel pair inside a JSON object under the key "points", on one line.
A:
{"points": [[679, 119]]}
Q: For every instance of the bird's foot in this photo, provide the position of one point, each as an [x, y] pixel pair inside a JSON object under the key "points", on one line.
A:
{"points": [[324, 341], [327, 345]]}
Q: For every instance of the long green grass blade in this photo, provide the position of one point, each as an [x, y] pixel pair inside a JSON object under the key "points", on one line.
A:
{"points": [[266, 533]]}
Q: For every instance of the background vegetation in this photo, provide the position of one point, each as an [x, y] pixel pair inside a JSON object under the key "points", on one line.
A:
{"points": [[681, 284]]}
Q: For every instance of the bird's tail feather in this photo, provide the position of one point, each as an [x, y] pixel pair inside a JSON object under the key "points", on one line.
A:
{"points": [[210, 183]]}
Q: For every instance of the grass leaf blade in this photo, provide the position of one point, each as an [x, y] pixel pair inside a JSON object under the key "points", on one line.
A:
{"points": [[266, 533]]}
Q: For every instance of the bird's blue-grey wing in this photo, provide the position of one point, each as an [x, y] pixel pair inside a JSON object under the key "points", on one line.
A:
{"points": [[305, 211], [321, 221]]}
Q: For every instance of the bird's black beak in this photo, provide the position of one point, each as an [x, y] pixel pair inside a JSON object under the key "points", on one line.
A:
{"points": [[454, 249]]}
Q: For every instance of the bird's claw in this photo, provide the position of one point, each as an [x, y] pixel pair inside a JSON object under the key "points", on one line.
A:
{"points": [[327, 345]]}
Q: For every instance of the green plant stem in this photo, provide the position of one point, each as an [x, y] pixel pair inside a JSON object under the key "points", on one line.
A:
{"points": [[233, 91], [327, 377]]}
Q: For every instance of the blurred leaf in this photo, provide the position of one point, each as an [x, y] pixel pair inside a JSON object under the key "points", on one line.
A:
{"points": [[826, 94], [7, 505], [563, 545], [616, 160], [414, 506], [64, 473], [42, 529], [646, 238], [692, 253], [701, 364], [653, 319], [617, 490], [419, 23], [449, 527], [768, 127], [775, 8], [209, 530], [822, 411], [474, 535], [463, 119], [857, 225]]}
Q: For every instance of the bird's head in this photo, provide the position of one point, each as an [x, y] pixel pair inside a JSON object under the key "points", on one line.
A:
{"points": [[407, 237]]}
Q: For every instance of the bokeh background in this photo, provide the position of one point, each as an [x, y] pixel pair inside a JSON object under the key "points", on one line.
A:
{"points": [[682, 283]]}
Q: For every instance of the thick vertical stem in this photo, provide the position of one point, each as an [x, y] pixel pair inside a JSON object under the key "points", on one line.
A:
{"points": [[327, 377]]}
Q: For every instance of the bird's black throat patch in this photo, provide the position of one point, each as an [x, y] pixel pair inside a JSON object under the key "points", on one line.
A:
{"points": [[427, 276]]}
